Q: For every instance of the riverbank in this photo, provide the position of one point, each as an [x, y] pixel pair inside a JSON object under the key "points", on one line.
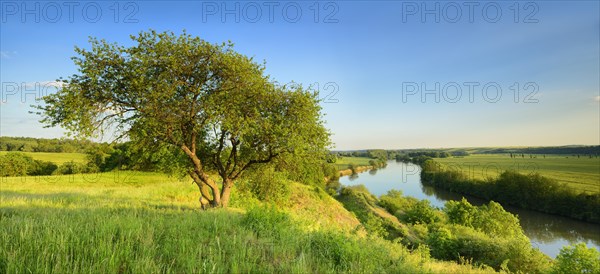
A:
{"points": [[359, 169], [547, 232], [533, 191], [442, 236]]}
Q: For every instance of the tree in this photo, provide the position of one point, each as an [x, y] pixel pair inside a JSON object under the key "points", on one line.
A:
{"points": [[14, 164], [577, 258], [461, 213], [374, 164], [422, 213], [213, 108]]}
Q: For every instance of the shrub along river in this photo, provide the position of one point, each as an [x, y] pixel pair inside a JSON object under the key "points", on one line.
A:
{"points": [[547, 232]]}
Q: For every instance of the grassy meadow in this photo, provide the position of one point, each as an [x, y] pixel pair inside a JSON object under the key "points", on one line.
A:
{"points": [[343, 162], [582, 174], [135, 222], [55, 157]]}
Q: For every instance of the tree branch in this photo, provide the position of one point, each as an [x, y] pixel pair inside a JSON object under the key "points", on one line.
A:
{"points": [[253, 162]]}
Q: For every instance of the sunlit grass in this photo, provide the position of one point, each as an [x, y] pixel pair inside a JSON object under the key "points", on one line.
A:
{"points": [[582, 174], [343, 162], [135, 222], [54, 157]]}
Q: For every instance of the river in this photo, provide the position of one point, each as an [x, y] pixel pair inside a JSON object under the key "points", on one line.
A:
{"points": [[547, 232]]}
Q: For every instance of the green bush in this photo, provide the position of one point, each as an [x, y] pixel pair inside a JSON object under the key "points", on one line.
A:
{"points": [[577, 258], [331, 172], [460, 244], [374, 164], [15, 164], [267, 185], [71, 167], [42, 168], [332, 187], [422, 213], [353, 167], [397, 204], [491, 219], [375, 226], [442, 244], [18, 164], [462, 213]]}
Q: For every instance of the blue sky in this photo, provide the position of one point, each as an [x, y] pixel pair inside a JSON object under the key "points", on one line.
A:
{"points": [[386, 61]]}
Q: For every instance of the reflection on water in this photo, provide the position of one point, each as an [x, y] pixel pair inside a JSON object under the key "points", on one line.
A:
{"points": [[547, 232], [550, 230]]}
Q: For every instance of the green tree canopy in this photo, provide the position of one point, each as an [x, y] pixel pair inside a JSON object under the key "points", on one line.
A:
{"points": [[577, 258], [208, 104]]}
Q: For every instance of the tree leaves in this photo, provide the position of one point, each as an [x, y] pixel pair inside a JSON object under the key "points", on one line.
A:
{"points": [[184, 92]]}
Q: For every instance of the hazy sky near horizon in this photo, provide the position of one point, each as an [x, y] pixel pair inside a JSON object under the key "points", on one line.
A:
{"points": [[392, 74]]}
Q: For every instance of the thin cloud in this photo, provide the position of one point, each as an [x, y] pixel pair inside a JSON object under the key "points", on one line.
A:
{"points": [[597, 99], [7, 54]]}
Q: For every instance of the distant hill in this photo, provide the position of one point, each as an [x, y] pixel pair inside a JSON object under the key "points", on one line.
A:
{"points": [[566, 150], [571, 149]]}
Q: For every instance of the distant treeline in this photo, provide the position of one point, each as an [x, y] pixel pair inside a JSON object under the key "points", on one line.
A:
{"points": [[27, 144], [372, 153], [99, 158], [18, 164], [391, 154], [419, 157], [568, 150], [382, 154], [531, 191]]}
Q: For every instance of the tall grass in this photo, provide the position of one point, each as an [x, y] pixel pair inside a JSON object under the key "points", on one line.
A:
{"points": [[150, 223]]}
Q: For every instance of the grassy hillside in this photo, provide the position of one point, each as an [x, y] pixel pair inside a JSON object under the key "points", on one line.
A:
{"points": [[148, 222], [582, 174], [55, 157], [359, 201]]}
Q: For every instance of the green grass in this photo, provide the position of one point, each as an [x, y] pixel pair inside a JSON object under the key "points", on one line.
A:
{"points": [[136, 222], [55, 157], [582, 174], [343, 162]]}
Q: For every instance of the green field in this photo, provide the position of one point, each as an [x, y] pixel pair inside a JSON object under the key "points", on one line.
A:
{"points": [[134, 222], [343, 162], [55, 157], [582, 174]]}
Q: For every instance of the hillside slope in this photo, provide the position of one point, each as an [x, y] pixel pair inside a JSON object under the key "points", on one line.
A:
{"points": [[148, 222]]}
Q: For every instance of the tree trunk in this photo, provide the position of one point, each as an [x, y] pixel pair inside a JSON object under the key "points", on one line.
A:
{"points": [[207, 182], [226, 191], [216, 201], [202, 179], [201, 186], [205, 196]]}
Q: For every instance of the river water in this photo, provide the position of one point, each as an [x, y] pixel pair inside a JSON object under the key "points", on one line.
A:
{"points": [[547, 232]]}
